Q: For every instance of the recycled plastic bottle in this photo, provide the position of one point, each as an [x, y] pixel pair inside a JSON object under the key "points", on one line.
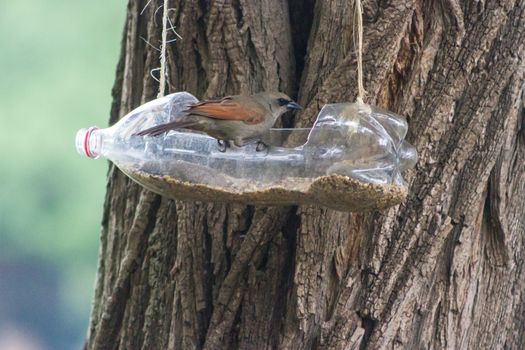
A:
{"points": [[351, 146]]}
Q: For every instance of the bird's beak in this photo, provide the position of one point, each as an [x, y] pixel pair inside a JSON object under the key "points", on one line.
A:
{"points": [[293, 105]]}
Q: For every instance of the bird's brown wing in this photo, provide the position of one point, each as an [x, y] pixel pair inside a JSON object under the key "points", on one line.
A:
{"points": [[228, 108]]}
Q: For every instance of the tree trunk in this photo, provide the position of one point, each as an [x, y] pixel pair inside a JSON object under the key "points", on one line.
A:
{"points": [[444, 269]]}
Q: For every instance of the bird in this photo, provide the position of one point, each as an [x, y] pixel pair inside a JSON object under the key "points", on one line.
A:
{"points": [[243, 119]]}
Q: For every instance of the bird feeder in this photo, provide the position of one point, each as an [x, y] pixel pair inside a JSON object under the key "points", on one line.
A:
{"points": [[352, 158]]}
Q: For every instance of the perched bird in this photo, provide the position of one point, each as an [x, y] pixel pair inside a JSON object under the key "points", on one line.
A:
{"points": [[242, 119]]}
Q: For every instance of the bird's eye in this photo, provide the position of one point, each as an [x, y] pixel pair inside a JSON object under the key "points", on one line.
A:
{"points": [[282, 101]]}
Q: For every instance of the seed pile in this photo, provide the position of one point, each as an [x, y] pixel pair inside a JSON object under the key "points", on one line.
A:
{"points": [[333, 191]]}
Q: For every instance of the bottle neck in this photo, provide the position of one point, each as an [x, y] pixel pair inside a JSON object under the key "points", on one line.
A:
{"points": [[89, 142]]}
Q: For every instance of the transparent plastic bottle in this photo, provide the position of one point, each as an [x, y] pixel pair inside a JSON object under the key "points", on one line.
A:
{"points": [[117, 142], [348, 139]]}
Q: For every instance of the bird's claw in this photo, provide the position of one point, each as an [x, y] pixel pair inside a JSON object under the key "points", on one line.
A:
{"points": [[261, 146], [223, 145]]}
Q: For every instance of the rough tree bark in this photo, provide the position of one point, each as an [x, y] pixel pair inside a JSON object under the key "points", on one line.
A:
{"points": [[443, 270]]}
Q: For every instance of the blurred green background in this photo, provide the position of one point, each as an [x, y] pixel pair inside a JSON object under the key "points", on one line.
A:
{"points": [[57, 61]]}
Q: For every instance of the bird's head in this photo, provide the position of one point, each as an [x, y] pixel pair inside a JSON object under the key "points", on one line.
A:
{"points": [[278, 102]]}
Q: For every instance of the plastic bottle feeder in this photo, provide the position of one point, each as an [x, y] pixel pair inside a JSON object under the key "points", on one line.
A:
{"points": [[350, 160]]}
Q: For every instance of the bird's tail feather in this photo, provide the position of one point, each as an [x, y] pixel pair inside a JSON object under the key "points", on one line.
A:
{"points": [[160, 129]]}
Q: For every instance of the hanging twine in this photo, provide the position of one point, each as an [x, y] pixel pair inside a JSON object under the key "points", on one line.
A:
{"points": [[358, 21], [163, 68]]}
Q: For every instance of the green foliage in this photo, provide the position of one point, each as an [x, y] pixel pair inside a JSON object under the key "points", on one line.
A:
{"points": [[58, 60]]}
